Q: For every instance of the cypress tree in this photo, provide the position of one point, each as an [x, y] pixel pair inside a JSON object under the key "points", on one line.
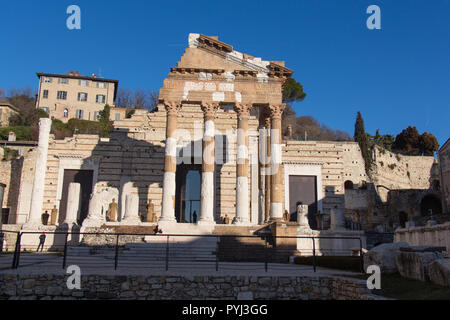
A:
{"points": [[363, 140]]}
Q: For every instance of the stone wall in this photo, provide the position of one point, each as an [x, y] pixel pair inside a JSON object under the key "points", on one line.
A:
{"points": [[438, 235], [18, 175], [48, 287], [395, 171], [444, 161]]}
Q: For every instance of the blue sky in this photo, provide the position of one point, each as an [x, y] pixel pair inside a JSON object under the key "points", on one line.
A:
{"points": [[396, 76]]}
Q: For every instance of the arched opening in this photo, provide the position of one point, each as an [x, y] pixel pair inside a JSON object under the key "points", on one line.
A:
{"points": [[348, 185], [430, 204], [402, 218]]}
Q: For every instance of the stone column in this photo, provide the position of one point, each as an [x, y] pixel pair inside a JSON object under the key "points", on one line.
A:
{"points": [[131, 216], [242, 160], [37, 195], [337, 219], [170, 164], [268, 175], [208, 164], [276, 205], [73, 204]]}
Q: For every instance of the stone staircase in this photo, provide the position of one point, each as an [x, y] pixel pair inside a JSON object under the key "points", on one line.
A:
{"points": [[154, 251], [227, 243]]}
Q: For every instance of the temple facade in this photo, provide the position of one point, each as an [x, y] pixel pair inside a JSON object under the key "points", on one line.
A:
{"points": [[212, 153]]}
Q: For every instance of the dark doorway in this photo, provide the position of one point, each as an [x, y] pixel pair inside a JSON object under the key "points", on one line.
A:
{"points": [[348, 185], [402, 218], [303, 189], [187, 195], [430, 204], [84, 178]]}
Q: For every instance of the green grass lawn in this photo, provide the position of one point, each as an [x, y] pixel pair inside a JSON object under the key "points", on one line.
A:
{"points": [[396, 287]]}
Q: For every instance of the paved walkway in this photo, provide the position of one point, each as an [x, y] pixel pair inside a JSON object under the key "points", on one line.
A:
{"points": [[44, 263]]}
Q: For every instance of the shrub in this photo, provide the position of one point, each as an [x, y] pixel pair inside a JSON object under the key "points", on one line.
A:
{"points": [[9, 154], [23, 133]]}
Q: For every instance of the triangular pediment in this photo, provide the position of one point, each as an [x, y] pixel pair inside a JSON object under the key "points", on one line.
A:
{"points": [[206, 52]]}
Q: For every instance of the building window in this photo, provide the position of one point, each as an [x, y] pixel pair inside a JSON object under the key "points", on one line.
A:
{"points": [[47, 79], [83, 83], [62, 95], [63, 81], [96, 115], [79, 114], [66, 113], [82, 96], [45, 94], [100, 98], [117, 116], [101, 85]]}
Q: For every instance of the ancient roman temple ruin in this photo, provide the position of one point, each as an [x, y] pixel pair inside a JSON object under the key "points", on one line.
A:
{"points": [[212, 155]]}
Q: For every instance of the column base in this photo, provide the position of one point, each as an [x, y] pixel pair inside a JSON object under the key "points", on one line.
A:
{"points": [[206, 223], [131, 222], [241, 222], [32, 226]]}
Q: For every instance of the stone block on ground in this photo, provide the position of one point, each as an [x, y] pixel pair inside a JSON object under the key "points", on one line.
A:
{"points": [[414, 265], [439, 272], [384, 256]]}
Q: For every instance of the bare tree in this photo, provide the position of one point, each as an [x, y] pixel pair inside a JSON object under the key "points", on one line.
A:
{"points": [[139, 99]]}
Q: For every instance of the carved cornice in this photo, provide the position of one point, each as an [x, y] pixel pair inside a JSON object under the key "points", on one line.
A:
{"points": [[212, 44], [243, 109], [196, 70], [209, 109], [279, 71], [276, 110], [172, 107]]}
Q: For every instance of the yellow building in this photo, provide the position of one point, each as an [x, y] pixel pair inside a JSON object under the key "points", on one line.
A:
{"points": [[71, 95], [6, 111]]}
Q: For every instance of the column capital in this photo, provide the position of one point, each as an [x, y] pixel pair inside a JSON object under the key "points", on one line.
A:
{"points": [[243, 109], [265, 117], [209, 109], [276, 110], [172, 107]]}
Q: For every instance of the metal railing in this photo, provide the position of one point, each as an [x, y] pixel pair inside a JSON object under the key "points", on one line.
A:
{"points": [[164, 251]]}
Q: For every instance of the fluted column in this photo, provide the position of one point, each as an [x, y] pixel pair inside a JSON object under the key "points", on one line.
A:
{"points": [[276, 206], [268, 175], [170, 164], [242, 160], [37, 194], [208, 164]]}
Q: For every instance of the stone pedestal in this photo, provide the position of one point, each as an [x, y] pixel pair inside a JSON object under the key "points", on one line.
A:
{"points": [[98, 205], [302, 217], [337, 219], [131, 216], [73, 204]]}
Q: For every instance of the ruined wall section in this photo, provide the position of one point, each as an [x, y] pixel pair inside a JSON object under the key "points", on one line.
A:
{"points": [[18, 174], [396, 171], [444, 160]]}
